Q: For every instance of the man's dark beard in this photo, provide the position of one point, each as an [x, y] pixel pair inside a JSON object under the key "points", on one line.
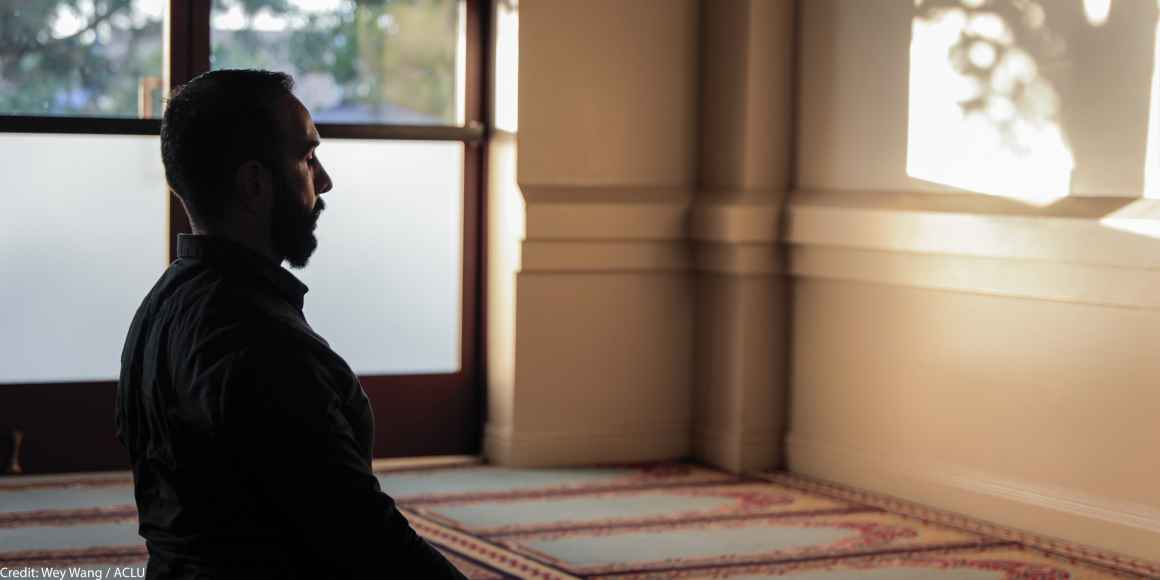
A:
{"points": [[293, 226]]}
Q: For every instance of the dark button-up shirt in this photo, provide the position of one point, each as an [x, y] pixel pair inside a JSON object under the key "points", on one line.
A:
{"points": [[250, 439]]}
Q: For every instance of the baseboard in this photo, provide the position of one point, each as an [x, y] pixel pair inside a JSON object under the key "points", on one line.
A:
{"points": [[1037, 507], [504, 446], [738, 452], [382, 464]]}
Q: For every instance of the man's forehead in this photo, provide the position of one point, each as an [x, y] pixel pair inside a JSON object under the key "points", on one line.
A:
{"points": [[300, 129]]}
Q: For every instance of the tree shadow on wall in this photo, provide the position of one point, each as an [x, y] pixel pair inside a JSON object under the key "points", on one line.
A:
{"points": [[1034, 63]]}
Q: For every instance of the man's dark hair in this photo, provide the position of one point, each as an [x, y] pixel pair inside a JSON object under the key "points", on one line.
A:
{"points": [[213, 124]]}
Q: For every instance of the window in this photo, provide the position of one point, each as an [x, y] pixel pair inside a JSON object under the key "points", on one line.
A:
{"points": [[80, 245], [356, 62], [99, 58], [394, 88]]}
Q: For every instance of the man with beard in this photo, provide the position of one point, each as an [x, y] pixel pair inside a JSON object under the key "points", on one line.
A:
{"points": [[250, 439]]}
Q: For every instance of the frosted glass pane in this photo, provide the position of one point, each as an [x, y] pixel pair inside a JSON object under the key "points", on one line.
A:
{"points": [[81, 242], [385, 282]]}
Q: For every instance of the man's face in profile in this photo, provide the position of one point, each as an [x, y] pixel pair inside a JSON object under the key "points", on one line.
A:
{"points": [[298, 182], [293, 224]]}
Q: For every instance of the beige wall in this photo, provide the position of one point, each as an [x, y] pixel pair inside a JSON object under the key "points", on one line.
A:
{"points": [[592, 360], [621, 112], [633, 257], [990, 353], [855, 90], [960, 335], [741, 324]]}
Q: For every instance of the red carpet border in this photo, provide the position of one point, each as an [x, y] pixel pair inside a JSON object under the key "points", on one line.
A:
{"points": [[670, 520], [1056, 547]]}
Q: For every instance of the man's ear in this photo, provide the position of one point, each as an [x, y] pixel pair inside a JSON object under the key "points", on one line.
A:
{"points": [[254, 185]]}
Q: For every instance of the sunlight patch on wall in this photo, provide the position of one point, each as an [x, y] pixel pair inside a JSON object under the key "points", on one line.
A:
{"points": [[1097, 11], [981, 117]]}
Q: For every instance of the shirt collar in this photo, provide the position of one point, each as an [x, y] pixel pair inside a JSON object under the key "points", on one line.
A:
{"points": [[240, 259]]}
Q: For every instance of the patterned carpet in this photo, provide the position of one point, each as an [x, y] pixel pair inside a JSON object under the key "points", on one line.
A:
{"points": [[671, 520]]}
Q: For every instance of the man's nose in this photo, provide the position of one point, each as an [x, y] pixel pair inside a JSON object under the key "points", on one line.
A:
{"points": [[322, 183]]}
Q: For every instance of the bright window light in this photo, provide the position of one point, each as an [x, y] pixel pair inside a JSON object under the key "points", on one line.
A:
{"points": [[981, 117]]}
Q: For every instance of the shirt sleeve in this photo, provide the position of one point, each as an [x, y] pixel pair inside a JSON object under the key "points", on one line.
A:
{"points": [[299, 455]]}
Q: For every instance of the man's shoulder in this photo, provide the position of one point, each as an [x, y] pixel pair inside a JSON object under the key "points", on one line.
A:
{"points": [[192, 292], [200, 311]]}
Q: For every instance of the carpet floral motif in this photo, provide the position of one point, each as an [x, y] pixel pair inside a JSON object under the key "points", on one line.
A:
{"points": [[668, 520]]}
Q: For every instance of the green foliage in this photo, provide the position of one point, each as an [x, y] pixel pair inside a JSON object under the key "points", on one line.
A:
{"points": [[377, 58], [93, 69], [253, 6], [415, 64]]}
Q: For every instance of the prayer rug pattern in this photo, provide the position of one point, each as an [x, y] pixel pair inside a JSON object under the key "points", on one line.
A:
{"points": [[670, 520], [1051, 545], [628, 508], [959, 564], [734, 541]]}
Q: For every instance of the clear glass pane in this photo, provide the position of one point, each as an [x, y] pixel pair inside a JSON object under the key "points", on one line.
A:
{"points": [[81, 57], [364, 61], [386, 280], [81, 242]]}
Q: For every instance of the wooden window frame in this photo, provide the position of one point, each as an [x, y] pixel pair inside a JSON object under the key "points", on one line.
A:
{"points": [[68, 426]]}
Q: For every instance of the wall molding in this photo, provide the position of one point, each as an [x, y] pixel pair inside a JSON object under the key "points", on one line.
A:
{"points": [[1073, 230], [1071, 251], [725, 232], [739, 259], [606, 213], [605, 230], [1037, 280], [737, 233], [736, 218], [616, 256], [627, 229], [1075, 516]]}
